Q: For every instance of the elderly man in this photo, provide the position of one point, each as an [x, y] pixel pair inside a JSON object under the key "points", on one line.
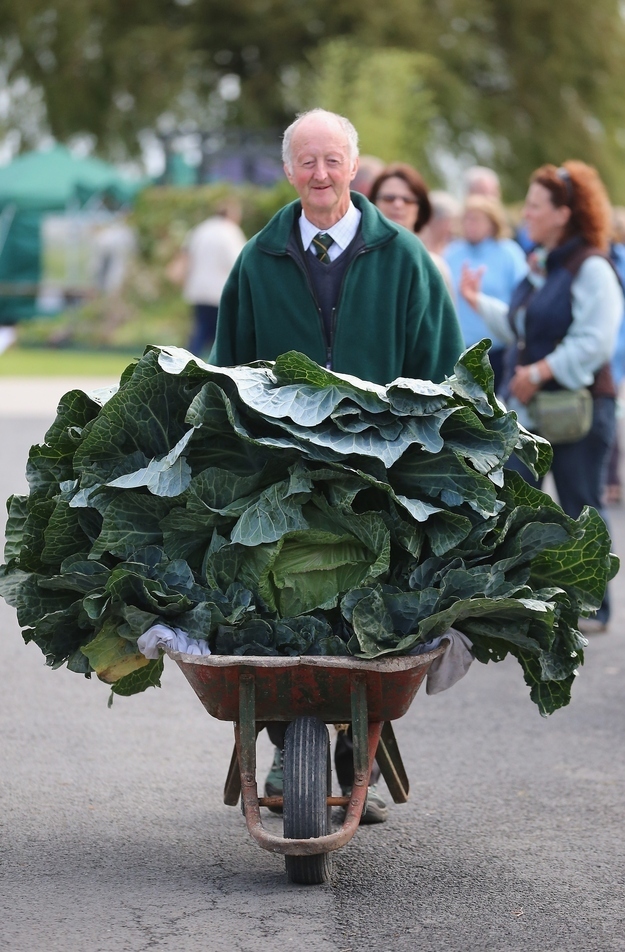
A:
{"points": [[329, 276]]}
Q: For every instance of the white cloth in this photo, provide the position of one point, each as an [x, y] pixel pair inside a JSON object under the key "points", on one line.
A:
{"points": [[343, 232], [212, 247], [449, 667], [161, 636]]}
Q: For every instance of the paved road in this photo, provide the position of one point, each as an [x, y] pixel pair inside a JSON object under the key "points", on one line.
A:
{"points": [[113, 835]]}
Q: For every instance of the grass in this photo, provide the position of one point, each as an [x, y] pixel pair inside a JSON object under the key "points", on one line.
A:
{"points": [[96, 339], [49, 362]]}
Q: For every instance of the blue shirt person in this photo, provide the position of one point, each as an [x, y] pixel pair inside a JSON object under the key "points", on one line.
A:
{"points": [[500, 261]]}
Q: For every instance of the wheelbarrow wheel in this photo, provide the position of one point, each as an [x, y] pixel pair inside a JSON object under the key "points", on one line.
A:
{"points": [[307, 784]]}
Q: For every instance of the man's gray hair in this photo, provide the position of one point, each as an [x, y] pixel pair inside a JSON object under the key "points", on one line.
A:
{"points": [[478, 176], [443, 204], [350, 134]]}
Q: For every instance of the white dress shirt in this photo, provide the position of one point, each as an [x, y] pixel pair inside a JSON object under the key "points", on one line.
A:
{"points": [[343, 232]]}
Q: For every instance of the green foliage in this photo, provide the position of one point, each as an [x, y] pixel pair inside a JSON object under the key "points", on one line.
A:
{"points": [[509, 83], [163, 215], [106, 67], [555, 88], [150, 308], [280, 508], [385, 93]]}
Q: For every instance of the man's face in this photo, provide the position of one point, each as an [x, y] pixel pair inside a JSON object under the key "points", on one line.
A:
{"points": [[322, 170]]}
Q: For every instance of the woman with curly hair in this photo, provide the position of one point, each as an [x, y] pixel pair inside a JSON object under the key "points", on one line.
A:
{"points": [[563, 322]]}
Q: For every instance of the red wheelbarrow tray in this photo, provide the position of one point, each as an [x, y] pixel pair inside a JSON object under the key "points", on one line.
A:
{"points": [[252, 691]]}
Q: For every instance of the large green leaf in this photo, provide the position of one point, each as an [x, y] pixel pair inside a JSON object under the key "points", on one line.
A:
{"points": [[17, 509], [144, 677], [168, 476], [112, 657], [63, 535], [269, 518], [78, 575], [484, 443], [446, 477], [131, 519], [581, 566], [473, 380], [143, 421]]}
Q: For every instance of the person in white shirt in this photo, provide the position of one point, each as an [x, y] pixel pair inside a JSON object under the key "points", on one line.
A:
{"points": [[211, 250]]}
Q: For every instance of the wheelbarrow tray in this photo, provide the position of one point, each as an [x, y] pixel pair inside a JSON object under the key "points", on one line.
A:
{"points": [[306, 686]]}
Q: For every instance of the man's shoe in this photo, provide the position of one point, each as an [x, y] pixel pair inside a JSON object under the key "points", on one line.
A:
{"points": [[376, 810], [592, 626], [274, 785]]}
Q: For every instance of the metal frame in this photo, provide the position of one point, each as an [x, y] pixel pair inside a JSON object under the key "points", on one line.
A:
{"points": [[366, 738], [252, 691]]}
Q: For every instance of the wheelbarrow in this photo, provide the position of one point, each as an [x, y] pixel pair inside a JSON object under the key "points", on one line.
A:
{"points": [[309, 692]]}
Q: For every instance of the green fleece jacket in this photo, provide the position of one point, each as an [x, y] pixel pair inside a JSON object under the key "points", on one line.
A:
{"points": [[394, 317]]}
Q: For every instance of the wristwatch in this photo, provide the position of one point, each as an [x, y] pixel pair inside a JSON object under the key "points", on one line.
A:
{"points": [[534, 375]]}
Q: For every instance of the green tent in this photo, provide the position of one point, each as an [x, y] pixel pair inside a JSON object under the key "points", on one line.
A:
{"points": [[38, 184]]}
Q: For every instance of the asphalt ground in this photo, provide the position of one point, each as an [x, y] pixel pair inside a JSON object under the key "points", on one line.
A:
{"points": [[114, 836]]}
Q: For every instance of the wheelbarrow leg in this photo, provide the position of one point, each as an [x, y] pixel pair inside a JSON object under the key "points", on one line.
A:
{"points": [[232, 786], [391, 765], [245, 734], [360, 731]]}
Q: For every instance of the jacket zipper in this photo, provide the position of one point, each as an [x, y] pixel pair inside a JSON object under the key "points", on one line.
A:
{"points": [[362, 251]]}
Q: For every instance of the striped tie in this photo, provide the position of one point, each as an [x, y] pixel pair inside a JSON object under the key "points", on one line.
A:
{"points": [[322, 242]]}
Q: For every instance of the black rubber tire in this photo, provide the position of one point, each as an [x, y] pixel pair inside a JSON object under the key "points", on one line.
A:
{"points": [[307, 784]]}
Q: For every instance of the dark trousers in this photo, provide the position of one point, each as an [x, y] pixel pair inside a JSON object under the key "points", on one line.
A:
{"points": [[497, 355], [204, 326], [343, 754], [580, 469]]}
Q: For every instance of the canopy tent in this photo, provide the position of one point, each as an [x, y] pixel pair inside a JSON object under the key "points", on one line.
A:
{"points": [[35, 185]]}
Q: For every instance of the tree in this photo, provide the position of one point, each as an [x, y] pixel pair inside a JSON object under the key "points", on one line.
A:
{"points": [[106, 67], [384, 92], [512, 83]]}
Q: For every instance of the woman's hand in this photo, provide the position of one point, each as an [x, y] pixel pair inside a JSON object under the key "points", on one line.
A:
{"points": [[470, 283], [528, 379]]}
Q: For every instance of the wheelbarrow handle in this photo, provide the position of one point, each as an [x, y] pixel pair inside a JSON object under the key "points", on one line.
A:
{"points": [[366, 738], [317, 844]]}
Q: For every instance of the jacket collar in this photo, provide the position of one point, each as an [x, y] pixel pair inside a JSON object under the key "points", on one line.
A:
{"points": [[559, 256], [375, 228]]}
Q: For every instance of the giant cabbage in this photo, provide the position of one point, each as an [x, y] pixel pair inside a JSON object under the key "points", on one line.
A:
{"points": [[280, 508]]}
